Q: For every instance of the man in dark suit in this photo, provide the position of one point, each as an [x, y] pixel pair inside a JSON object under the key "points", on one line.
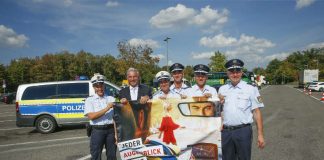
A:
{"points": [[137, 96], [135, 91]]}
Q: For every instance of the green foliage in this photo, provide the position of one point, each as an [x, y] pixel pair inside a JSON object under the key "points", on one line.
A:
{"points": [[285, 71], [138, 57], [217, 62]]}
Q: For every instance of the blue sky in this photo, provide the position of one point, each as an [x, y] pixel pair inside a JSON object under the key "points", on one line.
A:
{"points": [[255, 31]]}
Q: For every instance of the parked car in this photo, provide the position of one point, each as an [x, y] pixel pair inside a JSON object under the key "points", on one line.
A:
{"points": [[317, 86], [48, 105], [9, 98]]}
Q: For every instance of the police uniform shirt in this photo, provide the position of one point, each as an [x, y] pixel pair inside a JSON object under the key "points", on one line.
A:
{"points": [[96, 103], [195, 91], [240, 101], [171, 94], [181, 90], [257, 94]]}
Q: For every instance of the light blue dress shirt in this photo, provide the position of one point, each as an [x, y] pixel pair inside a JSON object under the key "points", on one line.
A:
{"points": [[96, 103], [181, 90], [171, 94], [195, 91], [240, 101]]}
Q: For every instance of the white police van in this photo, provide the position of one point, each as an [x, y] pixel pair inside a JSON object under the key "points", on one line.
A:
{"points": [[49, 105]]}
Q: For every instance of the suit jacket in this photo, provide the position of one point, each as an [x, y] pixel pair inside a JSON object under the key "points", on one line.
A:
{"points": [[123, 123], [143, 90]]}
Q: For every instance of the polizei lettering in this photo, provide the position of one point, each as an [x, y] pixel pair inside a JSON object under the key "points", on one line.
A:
{"points": [[79, 107]]}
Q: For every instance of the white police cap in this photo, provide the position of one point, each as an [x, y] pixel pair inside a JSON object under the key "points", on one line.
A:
{"points": [[98, 78], [163, 75]]}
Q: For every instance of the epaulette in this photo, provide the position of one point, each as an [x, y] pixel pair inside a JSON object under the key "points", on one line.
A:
{"points": [[186, 87], [157, 92]]}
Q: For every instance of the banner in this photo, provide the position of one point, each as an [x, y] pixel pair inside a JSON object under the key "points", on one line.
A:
{"points": [[169, 129]]}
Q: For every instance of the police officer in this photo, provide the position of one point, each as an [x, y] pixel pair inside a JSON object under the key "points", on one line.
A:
{"points": [[165, 92], [201, 88], [241, 104], [99, 109], [178, 86]]}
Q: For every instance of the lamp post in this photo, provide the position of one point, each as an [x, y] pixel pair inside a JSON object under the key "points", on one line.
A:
{"points": [[167, 56]]}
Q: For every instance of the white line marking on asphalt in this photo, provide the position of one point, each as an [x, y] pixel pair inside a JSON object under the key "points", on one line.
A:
{"points": [[306, 93], [8, 116], [89, 156], [8, 129], [62, 139], [5, 113], [7, 121], [42, 147]]}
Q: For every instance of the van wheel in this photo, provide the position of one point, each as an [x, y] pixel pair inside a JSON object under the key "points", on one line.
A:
{"points": [[45, 124]]}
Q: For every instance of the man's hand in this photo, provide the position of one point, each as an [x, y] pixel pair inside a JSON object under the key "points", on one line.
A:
{"points": [[208, 95], [183, 96], [123, 101], [109, 106], [221, 99], [261, 142], [162, 97], [144, 99]]}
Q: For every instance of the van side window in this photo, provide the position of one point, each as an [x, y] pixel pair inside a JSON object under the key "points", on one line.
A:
{"points": [[110, 90], [73, 90], [39, 92]]}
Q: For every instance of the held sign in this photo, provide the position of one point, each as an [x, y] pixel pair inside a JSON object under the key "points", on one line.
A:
{"points": [[134, 149]]}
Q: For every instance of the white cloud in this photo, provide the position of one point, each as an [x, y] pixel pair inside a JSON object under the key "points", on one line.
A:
{"points": [[172, 16], [67, 3], [37, 1], [160, 56], [9, 38], [315, 45], [213, 18], [112, 4], [303, 3], [218, 41], [248, 48], [141, 42], [279, 56], [243, 45], [208, 15], [203, 55], [181, 16]]}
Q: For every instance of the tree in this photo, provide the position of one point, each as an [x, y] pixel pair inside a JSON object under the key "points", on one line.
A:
{"points": [[138, 57], [272, 74], [217, 62], [188, 73]]}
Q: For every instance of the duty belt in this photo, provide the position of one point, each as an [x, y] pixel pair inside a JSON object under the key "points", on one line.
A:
{"points": [[103, 127], [235, 127]]}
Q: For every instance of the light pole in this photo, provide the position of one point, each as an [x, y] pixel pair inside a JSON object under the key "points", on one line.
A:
{"points": [[167, 56]]}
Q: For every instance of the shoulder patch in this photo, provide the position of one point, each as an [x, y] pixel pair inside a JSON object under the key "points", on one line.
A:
{"points": [[259, 99]]}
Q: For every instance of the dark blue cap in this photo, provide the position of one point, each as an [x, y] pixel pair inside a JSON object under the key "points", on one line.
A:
{"points": [[201, 68], [234, 64], [176, 67]]}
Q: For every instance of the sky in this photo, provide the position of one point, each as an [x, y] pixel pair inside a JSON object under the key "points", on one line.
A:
{"points": [[255, 31]]}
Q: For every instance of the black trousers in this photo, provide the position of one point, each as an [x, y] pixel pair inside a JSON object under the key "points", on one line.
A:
{"points": [[236, 144], [100, 138]]}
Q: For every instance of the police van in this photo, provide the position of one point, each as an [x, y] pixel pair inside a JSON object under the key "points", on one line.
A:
{"points": [[49, 105]]}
